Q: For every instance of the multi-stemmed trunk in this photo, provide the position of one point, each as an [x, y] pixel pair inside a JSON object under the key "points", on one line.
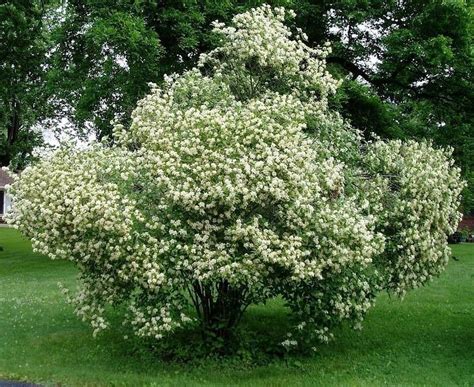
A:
{"points": [[220, 307]]}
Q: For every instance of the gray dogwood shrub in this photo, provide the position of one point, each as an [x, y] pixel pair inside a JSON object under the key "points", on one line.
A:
{"points": [[235, 184]]}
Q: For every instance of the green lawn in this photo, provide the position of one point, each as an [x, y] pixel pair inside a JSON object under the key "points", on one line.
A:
{"points": [[426, 339]]}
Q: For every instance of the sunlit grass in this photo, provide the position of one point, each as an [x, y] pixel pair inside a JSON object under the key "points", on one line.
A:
{"points": [[426, 339]]}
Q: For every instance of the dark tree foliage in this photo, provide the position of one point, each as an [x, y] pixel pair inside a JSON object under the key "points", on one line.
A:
{"points": [[23, 46], [103, 57], [416, 59], [106, 52], [407, 65]]}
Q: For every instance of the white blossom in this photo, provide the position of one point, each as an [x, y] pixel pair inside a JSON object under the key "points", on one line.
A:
{"points": [[236, 173]]}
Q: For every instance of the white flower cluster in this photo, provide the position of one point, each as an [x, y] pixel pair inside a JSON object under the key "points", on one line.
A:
{"points": [[235, 184], [416, 197], [261, 52]]}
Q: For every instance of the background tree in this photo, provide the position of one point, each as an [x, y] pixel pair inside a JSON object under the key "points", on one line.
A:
{"points": [[102, 59], [407, 66], [23, 46], [107, 52], [416, 59]]}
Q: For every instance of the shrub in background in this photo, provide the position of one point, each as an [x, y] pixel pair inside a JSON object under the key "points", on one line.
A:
{"points": [[236, 184]]}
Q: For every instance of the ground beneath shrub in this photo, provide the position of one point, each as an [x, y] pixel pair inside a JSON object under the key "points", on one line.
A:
{"points": [[426, 339]]}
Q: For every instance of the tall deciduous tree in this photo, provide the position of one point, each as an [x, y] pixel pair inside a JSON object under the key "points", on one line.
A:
{"points": [[22, 51], [103, 57], [416, 58], [407, 66]]}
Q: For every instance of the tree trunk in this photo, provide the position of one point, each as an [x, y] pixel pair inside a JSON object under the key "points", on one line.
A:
{"points": [[220, 308], [13, 128]]}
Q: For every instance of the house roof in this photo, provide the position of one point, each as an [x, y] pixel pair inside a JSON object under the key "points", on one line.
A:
{"points": [[4, 178]]}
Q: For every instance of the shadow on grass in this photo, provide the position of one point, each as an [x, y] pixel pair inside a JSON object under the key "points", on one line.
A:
{"points": [[255, 342]]}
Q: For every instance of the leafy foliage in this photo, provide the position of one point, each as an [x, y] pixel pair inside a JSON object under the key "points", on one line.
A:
{"points": [[406, 66], [22, 49], [102, 59], [416, 59]]}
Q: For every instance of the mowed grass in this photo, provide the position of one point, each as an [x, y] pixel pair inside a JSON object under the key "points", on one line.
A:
{"points": [[426, 339]]}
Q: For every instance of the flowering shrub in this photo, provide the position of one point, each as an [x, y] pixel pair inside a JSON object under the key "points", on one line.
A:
{"points": [[419, 189], [236, 184]]}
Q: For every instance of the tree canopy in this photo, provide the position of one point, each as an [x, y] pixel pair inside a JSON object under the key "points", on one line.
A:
{"points": [[23, 48], [407, 66]]}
